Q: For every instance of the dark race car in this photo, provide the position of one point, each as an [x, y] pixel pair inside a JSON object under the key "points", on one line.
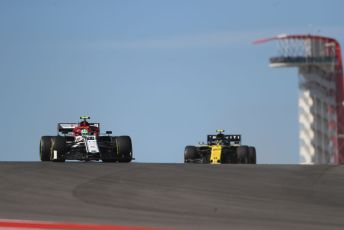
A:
{"points": [[221, 149], [83, 141]]}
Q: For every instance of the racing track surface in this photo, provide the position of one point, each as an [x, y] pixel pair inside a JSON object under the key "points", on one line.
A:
{"points": [[177, 196]]}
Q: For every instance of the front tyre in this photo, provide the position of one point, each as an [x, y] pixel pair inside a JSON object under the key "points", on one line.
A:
{"points": [[252, 159], [124, 149], [109, 154], [58, 149], [242, 154], [190, 154], [44, 148], [227, 156]]}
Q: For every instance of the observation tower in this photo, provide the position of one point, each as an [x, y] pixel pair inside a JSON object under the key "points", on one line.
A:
{"points": [[321, 94]]}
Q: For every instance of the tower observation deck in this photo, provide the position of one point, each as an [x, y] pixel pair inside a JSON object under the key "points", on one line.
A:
{"points": [[321, 94]]}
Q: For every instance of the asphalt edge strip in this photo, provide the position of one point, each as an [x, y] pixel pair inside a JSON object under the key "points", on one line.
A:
{"points": [[26, 224]]}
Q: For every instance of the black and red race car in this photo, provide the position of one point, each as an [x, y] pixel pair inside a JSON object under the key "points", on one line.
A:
{"points": [[83, 141]]}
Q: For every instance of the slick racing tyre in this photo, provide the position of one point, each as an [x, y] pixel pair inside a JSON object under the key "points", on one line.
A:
{"points": [[252, 155], [58, 149], [242, 154], [227, 157], [124, 149], [190, 154], [44, 148], [109, 156]]}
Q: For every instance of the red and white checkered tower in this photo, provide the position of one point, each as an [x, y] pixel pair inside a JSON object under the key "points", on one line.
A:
{"points": [[321, 94]]}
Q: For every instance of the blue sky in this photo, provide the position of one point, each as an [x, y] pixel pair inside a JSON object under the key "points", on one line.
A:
{"points": [[164, 72]]}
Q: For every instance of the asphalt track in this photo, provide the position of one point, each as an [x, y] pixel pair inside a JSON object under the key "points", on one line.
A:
{"points": [[176, 196]]}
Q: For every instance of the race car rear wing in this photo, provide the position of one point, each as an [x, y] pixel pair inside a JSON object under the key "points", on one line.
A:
{"points": [[67, 128], [236, 139]]}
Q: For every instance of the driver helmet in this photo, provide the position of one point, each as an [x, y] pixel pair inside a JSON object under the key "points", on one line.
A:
{"points": [[84, 123], [220, 136]]}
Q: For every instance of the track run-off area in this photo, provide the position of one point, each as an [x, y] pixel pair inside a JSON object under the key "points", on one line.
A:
{"points": [[172, 196]]}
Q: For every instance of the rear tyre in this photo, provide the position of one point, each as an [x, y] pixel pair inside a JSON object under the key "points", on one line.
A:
{"points": [[252, 155], [44, 148], [190, 153], [242, 154], [58, 149], [124, 149]]}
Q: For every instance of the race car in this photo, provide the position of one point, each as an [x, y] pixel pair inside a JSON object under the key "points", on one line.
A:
{"points": [[83, 141], [221, 149]]}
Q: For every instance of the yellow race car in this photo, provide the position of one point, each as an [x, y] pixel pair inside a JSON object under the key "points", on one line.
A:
{"points": [[221, 149]]}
